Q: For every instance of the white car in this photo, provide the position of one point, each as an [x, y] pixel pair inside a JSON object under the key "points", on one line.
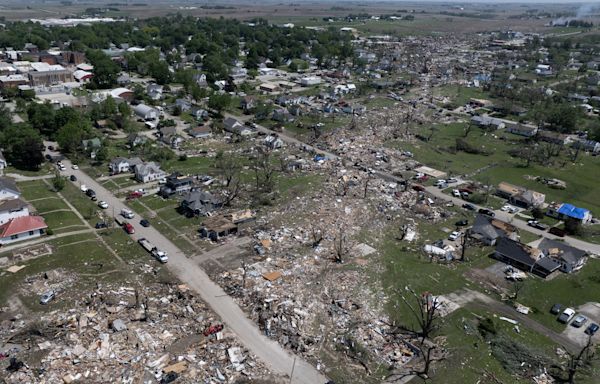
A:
{"points": [[567, 315], [505, 208], [83, 188], [74, 166], [455, 193], [454, 235], [62, 167], [103, 204]]}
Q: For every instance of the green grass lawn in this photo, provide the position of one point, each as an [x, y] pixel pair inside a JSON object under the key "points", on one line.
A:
{"points": [[36, 189], [81, 202], [81, 257], [439, 151], [470, 355], [567, 289], [60, 219], [49, 204], [192, 165]]}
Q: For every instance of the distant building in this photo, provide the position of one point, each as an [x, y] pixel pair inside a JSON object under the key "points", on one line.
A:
{"points": [[13, 81], [519, 196], [145, 112], [46, 74]]}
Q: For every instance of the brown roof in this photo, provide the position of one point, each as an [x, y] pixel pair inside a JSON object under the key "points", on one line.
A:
{"points": [[218, 224]]}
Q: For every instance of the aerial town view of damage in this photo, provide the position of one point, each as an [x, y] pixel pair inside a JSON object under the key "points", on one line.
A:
{"points": [[307, 193]]}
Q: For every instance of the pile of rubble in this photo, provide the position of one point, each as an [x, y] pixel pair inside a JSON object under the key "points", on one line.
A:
{"points": [[151, 333]]}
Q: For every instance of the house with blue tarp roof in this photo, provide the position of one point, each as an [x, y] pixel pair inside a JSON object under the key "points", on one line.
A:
{"points": [[566, 210]]}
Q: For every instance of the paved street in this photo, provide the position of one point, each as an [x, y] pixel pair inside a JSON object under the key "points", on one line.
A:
{"points": [[190, 273]]}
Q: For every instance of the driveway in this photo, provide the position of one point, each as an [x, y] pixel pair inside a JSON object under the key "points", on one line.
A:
{"points": [[187, 270]]}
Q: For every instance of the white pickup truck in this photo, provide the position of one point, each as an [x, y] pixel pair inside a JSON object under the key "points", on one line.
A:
{"points": [[160, 255], [155, 252]]}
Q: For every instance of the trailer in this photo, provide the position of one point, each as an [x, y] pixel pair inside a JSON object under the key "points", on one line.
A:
{"points": [[148, 246]]}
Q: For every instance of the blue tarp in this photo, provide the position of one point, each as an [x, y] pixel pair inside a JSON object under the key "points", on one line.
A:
{"points": [[573, 211]]}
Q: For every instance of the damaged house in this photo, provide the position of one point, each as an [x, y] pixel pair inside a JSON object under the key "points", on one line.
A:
{"points": [[571, 259], [488, 230], [524, 257], [199, 203], [519, 196]]}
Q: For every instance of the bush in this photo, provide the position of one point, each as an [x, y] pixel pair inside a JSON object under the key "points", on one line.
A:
{"points": [[49, 231], [487, 328], [183, 157]]}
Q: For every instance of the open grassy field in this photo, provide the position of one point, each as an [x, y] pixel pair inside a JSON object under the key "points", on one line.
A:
{"points": [[498, 165]]}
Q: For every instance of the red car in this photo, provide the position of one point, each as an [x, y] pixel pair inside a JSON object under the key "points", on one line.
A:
{"points": [[134, 195], [129, 228]]}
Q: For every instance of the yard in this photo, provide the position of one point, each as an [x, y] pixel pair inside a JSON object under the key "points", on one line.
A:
{"points": [[497, 165]]}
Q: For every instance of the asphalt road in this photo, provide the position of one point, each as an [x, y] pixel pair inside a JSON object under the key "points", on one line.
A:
{"points": [[267, 350]]}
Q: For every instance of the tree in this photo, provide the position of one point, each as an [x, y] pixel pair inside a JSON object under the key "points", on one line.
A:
{"points": [[22, 146], [219, 102], [340, 244], [5, 117], [579, 362], [425, 312], [69, 137], [58, 182], [124, 109], [106, 71]]}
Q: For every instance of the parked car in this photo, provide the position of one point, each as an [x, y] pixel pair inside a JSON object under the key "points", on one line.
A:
{"points": [[451, 180], [592, 329], [455, 193], [103, 204], [129, 228], [73, 178], [556, 308], [126, 213], [537, 224], [134, 195], [462, 223], [557, 231], [469, 207], [47, 297], [567, 315], [74, 166], [100, 224], [464, 195], [487, 212], [578, 321], [90, 192], [454, 235], [83, 188], [505, 208], [144, 223]]}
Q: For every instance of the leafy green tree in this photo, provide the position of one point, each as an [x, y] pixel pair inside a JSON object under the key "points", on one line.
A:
{"points": [[5, 117], [69, 137], [219, 102], [58, 182], [22, 146], [42, 118], [124, 109], [109, 107], [106, 71], [159, 70]]}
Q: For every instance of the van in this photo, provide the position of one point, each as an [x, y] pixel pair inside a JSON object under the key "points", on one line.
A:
{"points": [[126, 213]]}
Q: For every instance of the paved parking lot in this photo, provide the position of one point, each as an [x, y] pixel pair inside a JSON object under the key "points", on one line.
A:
{"points": [[577, 335]]}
